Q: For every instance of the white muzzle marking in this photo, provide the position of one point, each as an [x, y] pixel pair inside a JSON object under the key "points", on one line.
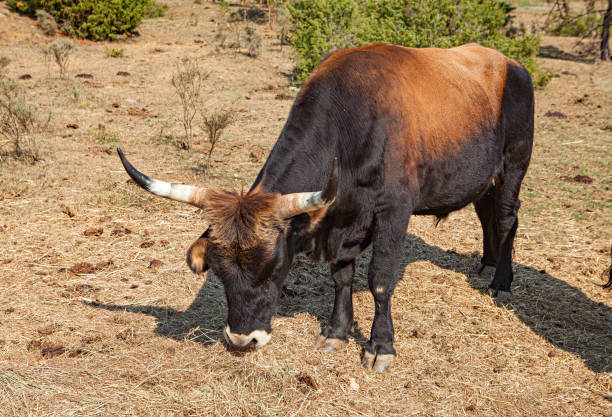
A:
{"points": [[261, 338]]}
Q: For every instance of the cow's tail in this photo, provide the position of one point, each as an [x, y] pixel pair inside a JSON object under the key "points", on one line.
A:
{"points": [[608, 272]]}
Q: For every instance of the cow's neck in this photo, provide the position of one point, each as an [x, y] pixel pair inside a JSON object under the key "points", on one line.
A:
{"points": [[297, 163]]}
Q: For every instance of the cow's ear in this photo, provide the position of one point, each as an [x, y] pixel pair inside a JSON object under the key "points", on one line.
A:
{"points": [[196, 256]]}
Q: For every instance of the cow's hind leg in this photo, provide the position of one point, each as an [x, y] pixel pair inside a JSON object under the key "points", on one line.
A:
{"points": [[485, 208], [334, 336], [387, 245], [506, 219], [517, 131]]}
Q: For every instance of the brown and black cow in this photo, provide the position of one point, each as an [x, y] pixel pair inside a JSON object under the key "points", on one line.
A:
{"points": [[376, 134]]}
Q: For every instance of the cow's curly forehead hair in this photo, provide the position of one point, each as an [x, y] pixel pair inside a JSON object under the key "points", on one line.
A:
{"points": [[242, 221]]}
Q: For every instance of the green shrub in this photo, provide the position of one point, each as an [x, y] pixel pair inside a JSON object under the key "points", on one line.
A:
{"points": [[28, 7], [113, 52], [542, 78], [575, 26], [93, 19], [320, 26]]}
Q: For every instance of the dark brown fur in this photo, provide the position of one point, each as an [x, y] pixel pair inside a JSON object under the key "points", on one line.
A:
{"points": [[239, 223]]}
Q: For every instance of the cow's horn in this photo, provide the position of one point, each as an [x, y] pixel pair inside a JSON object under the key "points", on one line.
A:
{"points": [[179, 192], [293, 204]]}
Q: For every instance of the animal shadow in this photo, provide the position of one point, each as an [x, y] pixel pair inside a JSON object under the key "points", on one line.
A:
{"points": [[553, 309], [550, 51]]}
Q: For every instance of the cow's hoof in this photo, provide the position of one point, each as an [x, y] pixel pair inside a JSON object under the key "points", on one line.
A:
{"points": [[328, 344], [485, 271], [379, 363], [500, 297]]}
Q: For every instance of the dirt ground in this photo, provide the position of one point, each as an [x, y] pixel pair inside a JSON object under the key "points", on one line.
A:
{"points": [[100, 315]]}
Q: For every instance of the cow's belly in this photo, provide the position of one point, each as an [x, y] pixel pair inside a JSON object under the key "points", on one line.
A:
{"points": [[452, 182]]}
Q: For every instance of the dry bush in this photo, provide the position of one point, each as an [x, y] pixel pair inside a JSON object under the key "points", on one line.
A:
{"points": [[253, 41], [187, 81], [4, 61], [21, 123], [221, 26], [46, 22], [282, 22], [60, 50], [213, 125]]}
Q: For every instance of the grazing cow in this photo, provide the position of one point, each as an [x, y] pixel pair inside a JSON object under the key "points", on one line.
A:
{"points": [[376, 134]]}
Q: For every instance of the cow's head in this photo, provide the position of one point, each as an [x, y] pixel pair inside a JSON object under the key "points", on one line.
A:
{"points": [[245, 245]]}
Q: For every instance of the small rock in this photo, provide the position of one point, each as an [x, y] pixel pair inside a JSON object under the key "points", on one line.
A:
{"points": [[93, 231], [76, 352], [72, 126], [84, 75], [25, 77], [123, 74], [155, 263], [120, 231], [104, 265], [67, 210], [33, 345], [585, 179], [47, 330], [82, 268], [53, 351], [135, 111], [283, 96], [93, 84], [307, 380], [556, 114]]}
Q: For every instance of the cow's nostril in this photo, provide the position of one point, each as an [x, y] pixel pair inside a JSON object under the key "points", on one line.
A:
{"points": [[254, 341]]}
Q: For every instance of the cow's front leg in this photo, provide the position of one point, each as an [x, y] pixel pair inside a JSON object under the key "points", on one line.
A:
{"points": [[388, 242], [334, 336]]}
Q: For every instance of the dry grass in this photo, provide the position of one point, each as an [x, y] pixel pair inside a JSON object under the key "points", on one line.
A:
{"points": [[142, 338]]}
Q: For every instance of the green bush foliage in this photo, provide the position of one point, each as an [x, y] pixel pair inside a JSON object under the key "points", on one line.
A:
{"points": [[575, 25], [93, 19], [321, 26]]}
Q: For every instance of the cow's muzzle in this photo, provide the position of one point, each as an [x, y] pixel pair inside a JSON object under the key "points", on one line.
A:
{"points": [[257, 338]]}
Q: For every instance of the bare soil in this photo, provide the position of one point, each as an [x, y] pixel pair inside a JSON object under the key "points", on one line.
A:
{"points": [[100, 315]]}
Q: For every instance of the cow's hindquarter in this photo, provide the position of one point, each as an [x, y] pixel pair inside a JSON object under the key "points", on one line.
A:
{"points": [[447, 143], [517, 128]]}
